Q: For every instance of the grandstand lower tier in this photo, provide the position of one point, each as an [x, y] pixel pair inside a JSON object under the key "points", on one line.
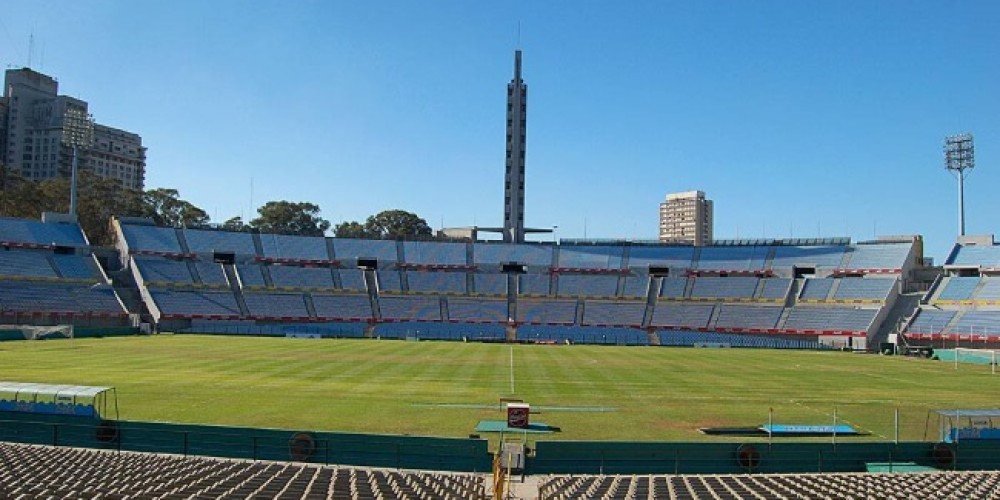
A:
{"points": [[32, 471], [52, 472], [926, 485]]}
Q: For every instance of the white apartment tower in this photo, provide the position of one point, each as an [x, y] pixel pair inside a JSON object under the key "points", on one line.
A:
{"points": [[686, 218], [36, 125], [517, 111]]}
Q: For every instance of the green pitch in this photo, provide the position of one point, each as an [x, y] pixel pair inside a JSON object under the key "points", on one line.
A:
{"points": [[444, 388]]}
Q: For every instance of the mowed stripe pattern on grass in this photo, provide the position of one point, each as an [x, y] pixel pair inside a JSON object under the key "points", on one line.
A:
{"points": [[385, 386]]}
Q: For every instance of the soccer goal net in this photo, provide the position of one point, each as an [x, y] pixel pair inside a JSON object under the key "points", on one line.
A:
{"points": [[977, 357]]}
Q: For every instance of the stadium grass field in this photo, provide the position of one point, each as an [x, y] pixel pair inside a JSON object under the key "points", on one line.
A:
{"points": [[396, 386]]}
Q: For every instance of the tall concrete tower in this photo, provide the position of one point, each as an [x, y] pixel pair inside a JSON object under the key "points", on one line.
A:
{"points": [[517, 111]]}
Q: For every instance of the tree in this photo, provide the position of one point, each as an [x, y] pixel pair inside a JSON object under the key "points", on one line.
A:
{"points": [[165, 207], [352, 229], [397, 224], [19, 197], [286, 217], [234, 224]]}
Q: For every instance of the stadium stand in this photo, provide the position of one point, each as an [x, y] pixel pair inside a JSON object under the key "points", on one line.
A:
{"points": [[434, 253], [713, 339], [211, 273], [597, 313], [673, 288], [863, 289], [440, 331], [352, 279], [497, 253], [736, 258], [816, 289], [31, 471], [346, 306], [828, 257], [151, 239], [774, 289], [830, 319], [24, 232], [76, 267], [276, 305], [490, 284], [820, 486], [600, 284], [48, 274], [294, 248], [677, 257], [978, 256], [389, 280], [636, 285], [958, 288], [207, 241], [582, 335], [411, 308], [472, 310], [58, 298], [878, 257], [547, 312], [977, 322], [682, 315], [733, 288], [382, 250], [931, 321], [250, 275], [25, 264], [587, 285], [736, 316], [163, 271], [990, 290], [195, 303], [533, 284], [436, 282], [590, 257], [286, 276]]}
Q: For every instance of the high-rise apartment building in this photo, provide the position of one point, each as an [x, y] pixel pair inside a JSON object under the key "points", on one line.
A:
{"points": [[686, 218], [38, 127], [517, 112]]}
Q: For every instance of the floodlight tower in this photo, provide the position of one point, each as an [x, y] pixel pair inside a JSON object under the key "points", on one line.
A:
{"points": [[959, 159], [77, 133]]}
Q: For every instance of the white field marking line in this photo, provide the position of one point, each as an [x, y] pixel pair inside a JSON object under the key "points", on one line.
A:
{"points": [[839, 419], [512, 370]]}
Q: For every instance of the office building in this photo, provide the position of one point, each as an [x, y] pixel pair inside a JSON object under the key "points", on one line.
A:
{"points": [[686, 218], [39, 127]]}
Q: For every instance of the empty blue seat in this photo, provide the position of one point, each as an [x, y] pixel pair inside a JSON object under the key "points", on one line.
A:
{"points": [[958, 288], [346, 306], [589, 285], [411, 308]]}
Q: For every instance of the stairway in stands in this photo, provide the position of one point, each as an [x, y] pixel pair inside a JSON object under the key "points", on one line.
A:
{"points": [[234, 285]]}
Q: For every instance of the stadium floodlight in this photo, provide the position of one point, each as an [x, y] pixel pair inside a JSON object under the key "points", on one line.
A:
{"points": [[959, 159], [77, 132]]}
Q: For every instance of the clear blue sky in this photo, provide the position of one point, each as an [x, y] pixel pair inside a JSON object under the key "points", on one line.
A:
{"points": [[797, 118]]}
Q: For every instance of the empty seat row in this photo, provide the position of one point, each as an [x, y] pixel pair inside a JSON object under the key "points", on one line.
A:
{"points": [[930, 485], [48, 472]]}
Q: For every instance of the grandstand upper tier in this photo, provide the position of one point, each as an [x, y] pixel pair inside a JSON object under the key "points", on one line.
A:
{"points": [[778, 257]]}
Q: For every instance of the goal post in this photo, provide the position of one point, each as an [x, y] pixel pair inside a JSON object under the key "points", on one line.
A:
{"points": [[977, 356]]}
